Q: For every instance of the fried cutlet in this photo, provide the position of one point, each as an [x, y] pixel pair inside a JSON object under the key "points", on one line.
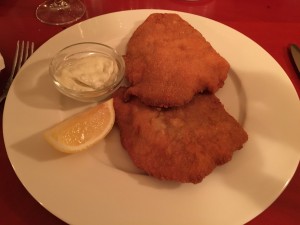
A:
{"points": [[182, 144], [168, 62]]}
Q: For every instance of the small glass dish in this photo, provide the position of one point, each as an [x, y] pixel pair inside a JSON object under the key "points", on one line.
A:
{"points": [[88, 71]]}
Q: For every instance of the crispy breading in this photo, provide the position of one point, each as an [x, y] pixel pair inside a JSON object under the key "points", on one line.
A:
{"points": [[168, 62], [182, 144]]}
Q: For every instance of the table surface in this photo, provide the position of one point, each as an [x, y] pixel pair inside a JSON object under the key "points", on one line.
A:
{"points": [[273, 24]]}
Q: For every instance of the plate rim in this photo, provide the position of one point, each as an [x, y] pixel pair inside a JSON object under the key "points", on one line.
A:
{"points": [[146, 11]]}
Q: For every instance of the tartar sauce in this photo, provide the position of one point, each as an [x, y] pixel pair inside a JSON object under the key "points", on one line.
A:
{"points": [[88, 73]]}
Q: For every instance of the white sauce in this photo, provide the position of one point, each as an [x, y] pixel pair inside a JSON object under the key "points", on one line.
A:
{"points": [[88, 73]]}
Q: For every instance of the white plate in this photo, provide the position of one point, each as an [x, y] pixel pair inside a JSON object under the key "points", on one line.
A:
{"points": [[101, 186]]}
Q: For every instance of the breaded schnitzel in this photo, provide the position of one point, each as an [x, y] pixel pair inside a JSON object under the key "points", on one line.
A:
{"points": [[181, 144], [168, 62]]}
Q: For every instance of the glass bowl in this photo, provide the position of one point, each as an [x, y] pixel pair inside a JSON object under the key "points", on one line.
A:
{"points": [[88, 71]]}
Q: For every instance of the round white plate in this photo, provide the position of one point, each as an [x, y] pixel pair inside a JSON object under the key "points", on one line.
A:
{"points": [[101, 186]]}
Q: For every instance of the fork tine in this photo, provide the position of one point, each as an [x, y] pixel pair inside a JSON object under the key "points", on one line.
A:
{"points": [[26, 52], [15, 61], [32, 48], [20, 57], [19, 60]]}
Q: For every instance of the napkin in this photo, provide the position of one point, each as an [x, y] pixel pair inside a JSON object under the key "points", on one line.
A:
{"points": [[2, 65]]}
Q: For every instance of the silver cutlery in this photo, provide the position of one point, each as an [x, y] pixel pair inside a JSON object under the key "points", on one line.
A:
{"points": [[23, 51], [295, 53]]}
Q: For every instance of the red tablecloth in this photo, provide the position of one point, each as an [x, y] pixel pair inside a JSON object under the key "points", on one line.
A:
{"points": [[273, 24]]}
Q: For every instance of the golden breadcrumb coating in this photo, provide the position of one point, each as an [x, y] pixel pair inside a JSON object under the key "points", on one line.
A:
{"points": [[181, 144], [168, 62]]}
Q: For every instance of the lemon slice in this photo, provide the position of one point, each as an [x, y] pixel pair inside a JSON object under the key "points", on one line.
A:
{"points": [[82, 130]]}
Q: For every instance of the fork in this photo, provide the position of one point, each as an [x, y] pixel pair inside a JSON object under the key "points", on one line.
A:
{"points": [[23, 51]]}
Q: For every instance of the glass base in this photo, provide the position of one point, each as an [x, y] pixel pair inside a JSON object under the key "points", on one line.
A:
{"points": [[60, 12]]}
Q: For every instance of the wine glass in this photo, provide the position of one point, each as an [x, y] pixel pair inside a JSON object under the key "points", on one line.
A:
{"points": [[60, 12]]}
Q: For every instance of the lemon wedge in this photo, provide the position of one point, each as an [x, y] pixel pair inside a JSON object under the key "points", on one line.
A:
{"points": [[83, 129]]}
